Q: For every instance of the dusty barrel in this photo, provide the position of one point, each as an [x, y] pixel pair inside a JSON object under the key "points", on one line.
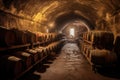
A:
{"points": [[40, 52], [102, 39], [31, 37], [11, 66], [48, 50], [25, 57], [111, 58], [117, 47], [40, 38], [34, 53], [7, 37], [98, 56], [20, 36], [43, 49], [107, 40], [102, 57], [96, 39]]}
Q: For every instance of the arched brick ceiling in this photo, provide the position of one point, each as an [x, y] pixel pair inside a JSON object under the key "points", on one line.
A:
{"points": [[49, 10]]}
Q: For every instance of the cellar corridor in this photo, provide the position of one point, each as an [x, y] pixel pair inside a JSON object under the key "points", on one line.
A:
{"points": [[60, 39], [70, 64]]}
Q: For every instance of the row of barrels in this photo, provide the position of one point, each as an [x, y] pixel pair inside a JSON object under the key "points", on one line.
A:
{"points": [[50, 37], [10, 37], [16, 63], [100, 39], [104, 50], [101, 57]]}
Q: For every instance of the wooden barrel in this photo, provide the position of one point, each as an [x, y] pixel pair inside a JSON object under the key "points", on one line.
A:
{"points": [[98, 56], [7, 37], [111, 58], [37, 37], [31, 37], [102, 57], [34, 53], [96, 39], [20, 36], [11, 66], [25, 57], [43, 50], [102, 39], [40, 52], [117, 47], [107, 40]]}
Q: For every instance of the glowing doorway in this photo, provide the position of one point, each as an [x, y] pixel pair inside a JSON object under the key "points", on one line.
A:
{"points": [[72, 32]]}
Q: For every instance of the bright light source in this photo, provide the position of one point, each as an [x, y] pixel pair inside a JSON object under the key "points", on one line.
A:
{"points": [[72, 32]]}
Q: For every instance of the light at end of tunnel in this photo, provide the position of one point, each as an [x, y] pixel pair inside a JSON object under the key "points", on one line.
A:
{"points": [[72, 32]]}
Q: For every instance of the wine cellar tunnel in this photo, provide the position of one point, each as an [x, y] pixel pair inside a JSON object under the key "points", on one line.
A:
{"points": [[59, 40]]}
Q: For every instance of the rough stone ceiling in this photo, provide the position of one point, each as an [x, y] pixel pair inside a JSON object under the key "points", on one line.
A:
{"points": [[49, 10]]}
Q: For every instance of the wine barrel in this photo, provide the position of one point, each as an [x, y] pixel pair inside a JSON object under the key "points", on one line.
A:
{"points": [[25, 57], [107, 40], [34, 53], [40, 52], [96, 39], [11, 66], [111, 58], [7, 37], [31, 37], [43, 51], [20, 36], [98, 56], [102, 57], [102, 39], [117, 47]]}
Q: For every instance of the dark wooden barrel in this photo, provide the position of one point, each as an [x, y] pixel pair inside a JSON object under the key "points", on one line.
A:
{"points": [[40, 52], [20, 36], [103, 57], [107, 40], [96, 39], [98, 56], [10, 66], [34, 53], [25, 57], [117, 47], [102, 39], [31, 37], [7, 37], [43, 50]]}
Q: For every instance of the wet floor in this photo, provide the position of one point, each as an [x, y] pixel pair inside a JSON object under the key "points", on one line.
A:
{"points": [[69, 65]]}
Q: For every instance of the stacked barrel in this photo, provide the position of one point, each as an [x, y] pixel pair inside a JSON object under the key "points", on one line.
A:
{"points": [[15, 62], [97, 46], [117, 47]]}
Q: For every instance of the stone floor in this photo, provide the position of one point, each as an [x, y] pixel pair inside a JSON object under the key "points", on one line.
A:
{"points": [[69, 65]]}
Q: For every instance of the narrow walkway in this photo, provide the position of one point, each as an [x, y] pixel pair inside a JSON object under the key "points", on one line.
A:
{"points": [[70, 65]]}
